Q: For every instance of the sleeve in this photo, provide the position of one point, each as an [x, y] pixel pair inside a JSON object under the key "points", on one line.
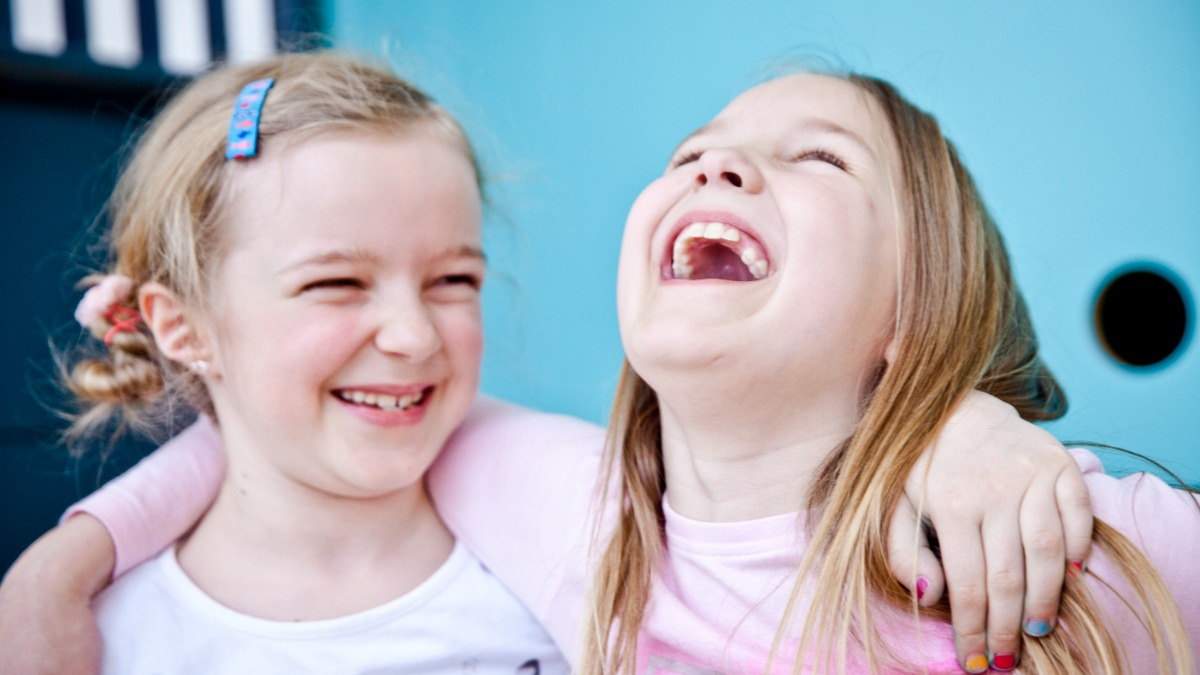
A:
{"points": [[519, 488], [1164, 523], [160, 498]]}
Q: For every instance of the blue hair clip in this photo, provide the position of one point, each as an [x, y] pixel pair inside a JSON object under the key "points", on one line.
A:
{"points": [[243, 127]]}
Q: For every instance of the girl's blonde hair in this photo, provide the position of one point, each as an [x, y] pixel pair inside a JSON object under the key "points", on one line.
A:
{"points": [[955, 279], [169, 209]]}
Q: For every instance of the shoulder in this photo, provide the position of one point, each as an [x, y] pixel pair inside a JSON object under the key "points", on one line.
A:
{"points": [[149, 581], [1152, 514], [488, 622], [500, 439], [473, 595], [493, 418], [1164, 524]]}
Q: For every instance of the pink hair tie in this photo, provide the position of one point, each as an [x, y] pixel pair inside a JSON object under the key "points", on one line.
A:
{"points": [[123, 320], [104, 300]]}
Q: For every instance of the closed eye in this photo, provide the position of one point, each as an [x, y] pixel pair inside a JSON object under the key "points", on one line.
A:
{"points": [[469, 280], [334, 283], [685, 158], [820, 155]]}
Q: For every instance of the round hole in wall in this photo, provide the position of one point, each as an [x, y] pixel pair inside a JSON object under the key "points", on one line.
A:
{"points": [[1142, 315]]}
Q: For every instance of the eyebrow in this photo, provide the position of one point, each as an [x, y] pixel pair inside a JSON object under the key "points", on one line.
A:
{"points": [[807, 125], [830, 127], [358, 255], [715, 125], [331, 257], [468, 251]]}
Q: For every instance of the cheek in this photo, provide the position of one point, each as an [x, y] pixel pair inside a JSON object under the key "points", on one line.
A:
{"points": [[261, 346], [461, 329], [635, 266], [648, 212], [846, 232]]}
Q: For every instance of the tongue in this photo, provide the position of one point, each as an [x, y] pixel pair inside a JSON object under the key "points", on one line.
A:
{"points": [[714, 261]]}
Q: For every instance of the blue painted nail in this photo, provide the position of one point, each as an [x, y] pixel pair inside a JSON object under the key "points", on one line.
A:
{"points": [[1037, 628]]}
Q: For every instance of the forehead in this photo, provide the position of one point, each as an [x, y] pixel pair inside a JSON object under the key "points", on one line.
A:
{"points": [[410, 190], [351, 169], [805, 100]]}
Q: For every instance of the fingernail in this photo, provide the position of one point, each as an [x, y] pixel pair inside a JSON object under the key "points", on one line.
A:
{"points": [[1004, 661], [922, 586], [976, 664], [1037, 628], [1076, 567]]}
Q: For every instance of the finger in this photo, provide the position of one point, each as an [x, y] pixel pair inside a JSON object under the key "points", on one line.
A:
{"points": [[1075, 508], [1005, 565], [963, 566], [1045, 561], [910, 558]]}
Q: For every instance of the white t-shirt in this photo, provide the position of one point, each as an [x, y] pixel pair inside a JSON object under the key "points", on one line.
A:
{"points": [[459, 621]]}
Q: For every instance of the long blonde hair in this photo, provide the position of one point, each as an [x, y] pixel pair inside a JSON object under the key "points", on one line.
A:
{"points": [[955, 278], [168, 211]]}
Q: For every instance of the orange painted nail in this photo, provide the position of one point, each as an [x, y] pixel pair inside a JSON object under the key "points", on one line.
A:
{"points": [[977, 664]]}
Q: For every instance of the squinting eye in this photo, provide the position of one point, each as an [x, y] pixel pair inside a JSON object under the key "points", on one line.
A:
{"points": [[469, 280], [687, 158], [821, 156], [341, 282]]}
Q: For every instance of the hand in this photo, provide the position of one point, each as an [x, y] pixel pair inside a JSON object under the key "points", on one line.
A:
{"points": [[46, 621], [1011, 515]]}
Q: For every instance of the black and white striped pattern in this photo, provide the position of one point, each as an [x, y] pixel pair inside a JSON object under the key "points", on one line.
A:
{"points": [[176, 36]]}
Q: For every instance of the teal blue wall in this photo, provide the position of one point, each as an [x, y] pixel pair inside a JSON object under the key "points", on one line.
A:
{"points": [[1080, 120]]}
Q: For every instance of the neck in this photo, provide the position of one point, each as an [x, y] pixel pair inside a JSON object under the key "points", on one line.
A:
{"points": [[742, 457], [276, 548]]}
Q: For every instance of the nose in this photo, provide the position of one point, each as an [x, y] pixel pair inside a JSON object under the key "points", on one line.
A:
{"points": [[728, 167], [408, 332]]}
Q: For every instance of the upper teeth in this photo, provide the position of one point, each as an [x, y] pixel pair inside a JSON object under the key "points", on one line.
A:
{"points": [[382, 401], [681, 261]]}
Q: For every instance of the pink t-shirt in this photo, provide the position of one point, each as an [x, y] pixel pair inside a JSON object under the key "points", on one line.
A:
{"points": [[520, 489]]}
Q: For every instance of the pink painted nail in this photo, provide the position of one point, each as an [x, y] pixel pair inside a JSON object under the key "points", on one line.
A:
{"points": [[922, 586]]}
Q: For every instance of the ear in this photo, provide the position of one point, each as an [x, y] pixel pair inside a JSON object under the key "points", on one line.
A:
{"points": [[891, 350], [175, 336]]}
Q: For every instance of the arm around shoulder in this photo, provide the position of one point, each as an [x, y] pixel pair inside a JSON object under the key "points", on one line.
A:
{"points": [[161, 498], [46, 622]]}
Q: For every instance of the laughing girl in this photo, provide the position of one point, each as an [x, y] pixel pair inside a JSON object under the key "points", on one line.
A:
{"points": [[805, 296]]}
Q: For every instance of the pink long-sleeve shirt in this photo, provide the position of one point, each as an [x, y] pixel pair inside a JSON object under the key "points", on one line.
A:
{"points": [[520, 489]]}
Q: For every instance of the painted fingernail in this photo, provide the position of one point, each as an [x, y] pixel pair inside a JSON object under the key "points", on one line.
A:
{"points": [[976, 664], [922, 586], [1076, 567], [1037, 628], [1004, 661]]}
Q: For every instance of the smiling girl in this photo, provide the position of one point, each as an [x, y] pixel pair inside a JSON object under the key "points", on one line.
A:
{"points": [[320, 302]]}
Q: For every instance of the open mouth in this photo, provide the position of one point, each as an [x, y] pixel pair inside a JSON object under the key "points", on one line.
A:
{"points": [[383, 401], [716, 250]]}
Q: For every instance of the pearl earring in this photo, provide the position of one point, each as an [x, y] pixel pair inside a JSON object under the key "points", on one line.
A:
{"points": [[199, 367]]}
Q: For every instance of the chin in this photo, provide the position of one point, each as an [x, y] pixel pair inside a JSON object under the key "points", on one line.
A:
{"points": [[666, 367], [379, 483]]}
